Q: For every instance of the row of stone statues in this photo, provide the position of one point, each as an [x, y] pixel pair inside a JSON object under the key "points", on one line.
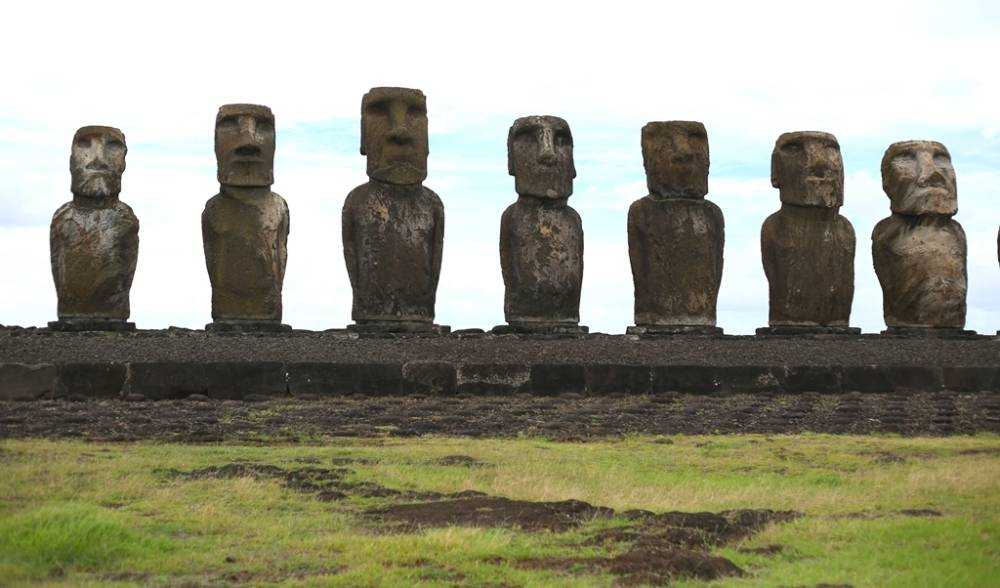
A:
{"points": [[393, 231]]}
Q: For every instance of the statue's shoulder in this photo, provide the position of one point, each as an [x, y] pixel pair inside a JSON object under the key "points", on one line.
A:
{"points": [[357, 196], [771, 224], [62, 212], [888, 225], [640, 205], [433, 198]]}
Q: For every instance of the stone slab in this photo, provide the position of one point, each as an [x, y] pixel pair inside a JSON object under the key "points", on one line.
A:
{"points": [[82, 325], [19, 381]]}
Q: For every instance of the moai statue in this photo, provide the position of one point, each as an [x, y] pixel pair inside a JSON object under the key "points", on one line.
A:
{"points": [[245, 226], [541, 237], [919, 251], [94, 239], [807, 246], [393, 226], [675, 235]]}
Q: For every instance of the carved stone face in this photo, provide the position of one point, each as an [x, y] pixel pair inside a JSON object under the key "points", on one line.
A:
{"points": [[97, 162], [919, 179], [540, 157], [244, 145], [808, 170], [394, 135], [675, 155]]}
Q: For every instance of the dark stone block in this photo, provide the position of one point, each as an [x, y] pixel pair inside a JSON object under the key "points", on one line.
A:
{"points": [[91, 380], [661, 331], [685, 379], [916, 378], [225, 380], [434, 377], [378, 379], [322, 379], [80, 325], [795, 330], [557, 378], [247, 327], [749, 378], [493, 378], [378, 328], [865, 378], [612, 379], [812, 379], [929, 333], [540, 329], [971, 379], [19, 381]]}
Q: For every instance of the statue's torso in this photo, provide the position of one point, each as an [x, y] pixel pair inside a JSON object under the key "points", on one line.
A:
{"points": [[809, 264], [541, 250], [94, 253], [922, 269], [392, 247], [676, 246], [246, 252]]}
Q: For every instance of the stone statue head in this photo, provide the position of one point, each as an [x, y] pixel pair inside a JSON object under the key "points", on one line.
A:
{"points": [[675, 155], [540, 157], [919, 179], [244, 145], [394, 135], [97, 161], [807, 168]]}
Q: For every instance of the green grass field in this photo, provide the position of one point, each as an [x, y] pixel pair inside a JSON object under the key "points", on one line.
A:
{"points": [[74, 513]]}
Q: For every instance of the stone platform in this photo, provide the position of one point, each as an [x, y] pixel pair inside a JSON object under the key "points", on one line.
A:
{"points": [[177, 363]]}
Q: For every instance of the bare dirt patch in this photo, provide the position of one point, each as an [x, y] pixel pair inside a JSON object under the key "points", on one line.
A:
{"points": [[661, 548], [326, 484], [491, 511]]}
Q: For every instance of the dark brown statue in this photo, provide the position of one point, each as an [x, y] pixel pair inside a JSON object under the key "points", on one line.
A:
{"points": [[393, 226], [807, 246], [541, 237], [245, 227], [94, 239], [920, 251], [675, 235]]}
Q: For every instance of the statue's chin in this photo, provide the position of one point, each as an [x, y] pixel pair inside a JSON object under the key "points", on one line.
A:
{"points": [[96, 189], [401, 173]]}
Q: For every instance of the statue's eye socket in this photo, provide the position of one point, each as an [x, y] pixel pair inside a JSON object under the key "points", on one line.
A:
{"points": [[115, 145], [904, 156], [416, 110], [378, 108], [794, 147], [563, 139], [942, 159], [228, 122], [83, 142], [264, 124]]}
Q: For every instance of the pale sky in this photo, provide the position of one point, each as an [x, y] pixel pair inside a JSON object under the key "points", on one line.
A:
{"points": [[871, 73]]}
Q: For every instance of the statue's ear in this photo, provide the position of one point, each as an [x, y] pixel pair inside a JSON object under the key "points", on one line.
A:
{"points": [[775, 169]]}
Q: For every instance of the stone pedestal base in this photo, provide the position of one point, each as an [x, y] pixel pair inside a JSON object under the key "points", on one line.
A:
{"points": [[657, 331], [794, 330], [561, 329], [391, 328], [247, 327], [929, 333], [95, 324]]}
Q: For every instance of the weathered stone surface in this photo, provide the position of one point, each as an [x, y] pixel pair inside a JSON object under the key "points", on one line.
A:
{"points": [[675, 235], [245, 227], [91, 380], [558, 378], [807, 246], [393, 226], [20, 381], [493, 378], [919, 251], [618, 379], [222, 380], [429, 377], [541, 237], [94, 239]]}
